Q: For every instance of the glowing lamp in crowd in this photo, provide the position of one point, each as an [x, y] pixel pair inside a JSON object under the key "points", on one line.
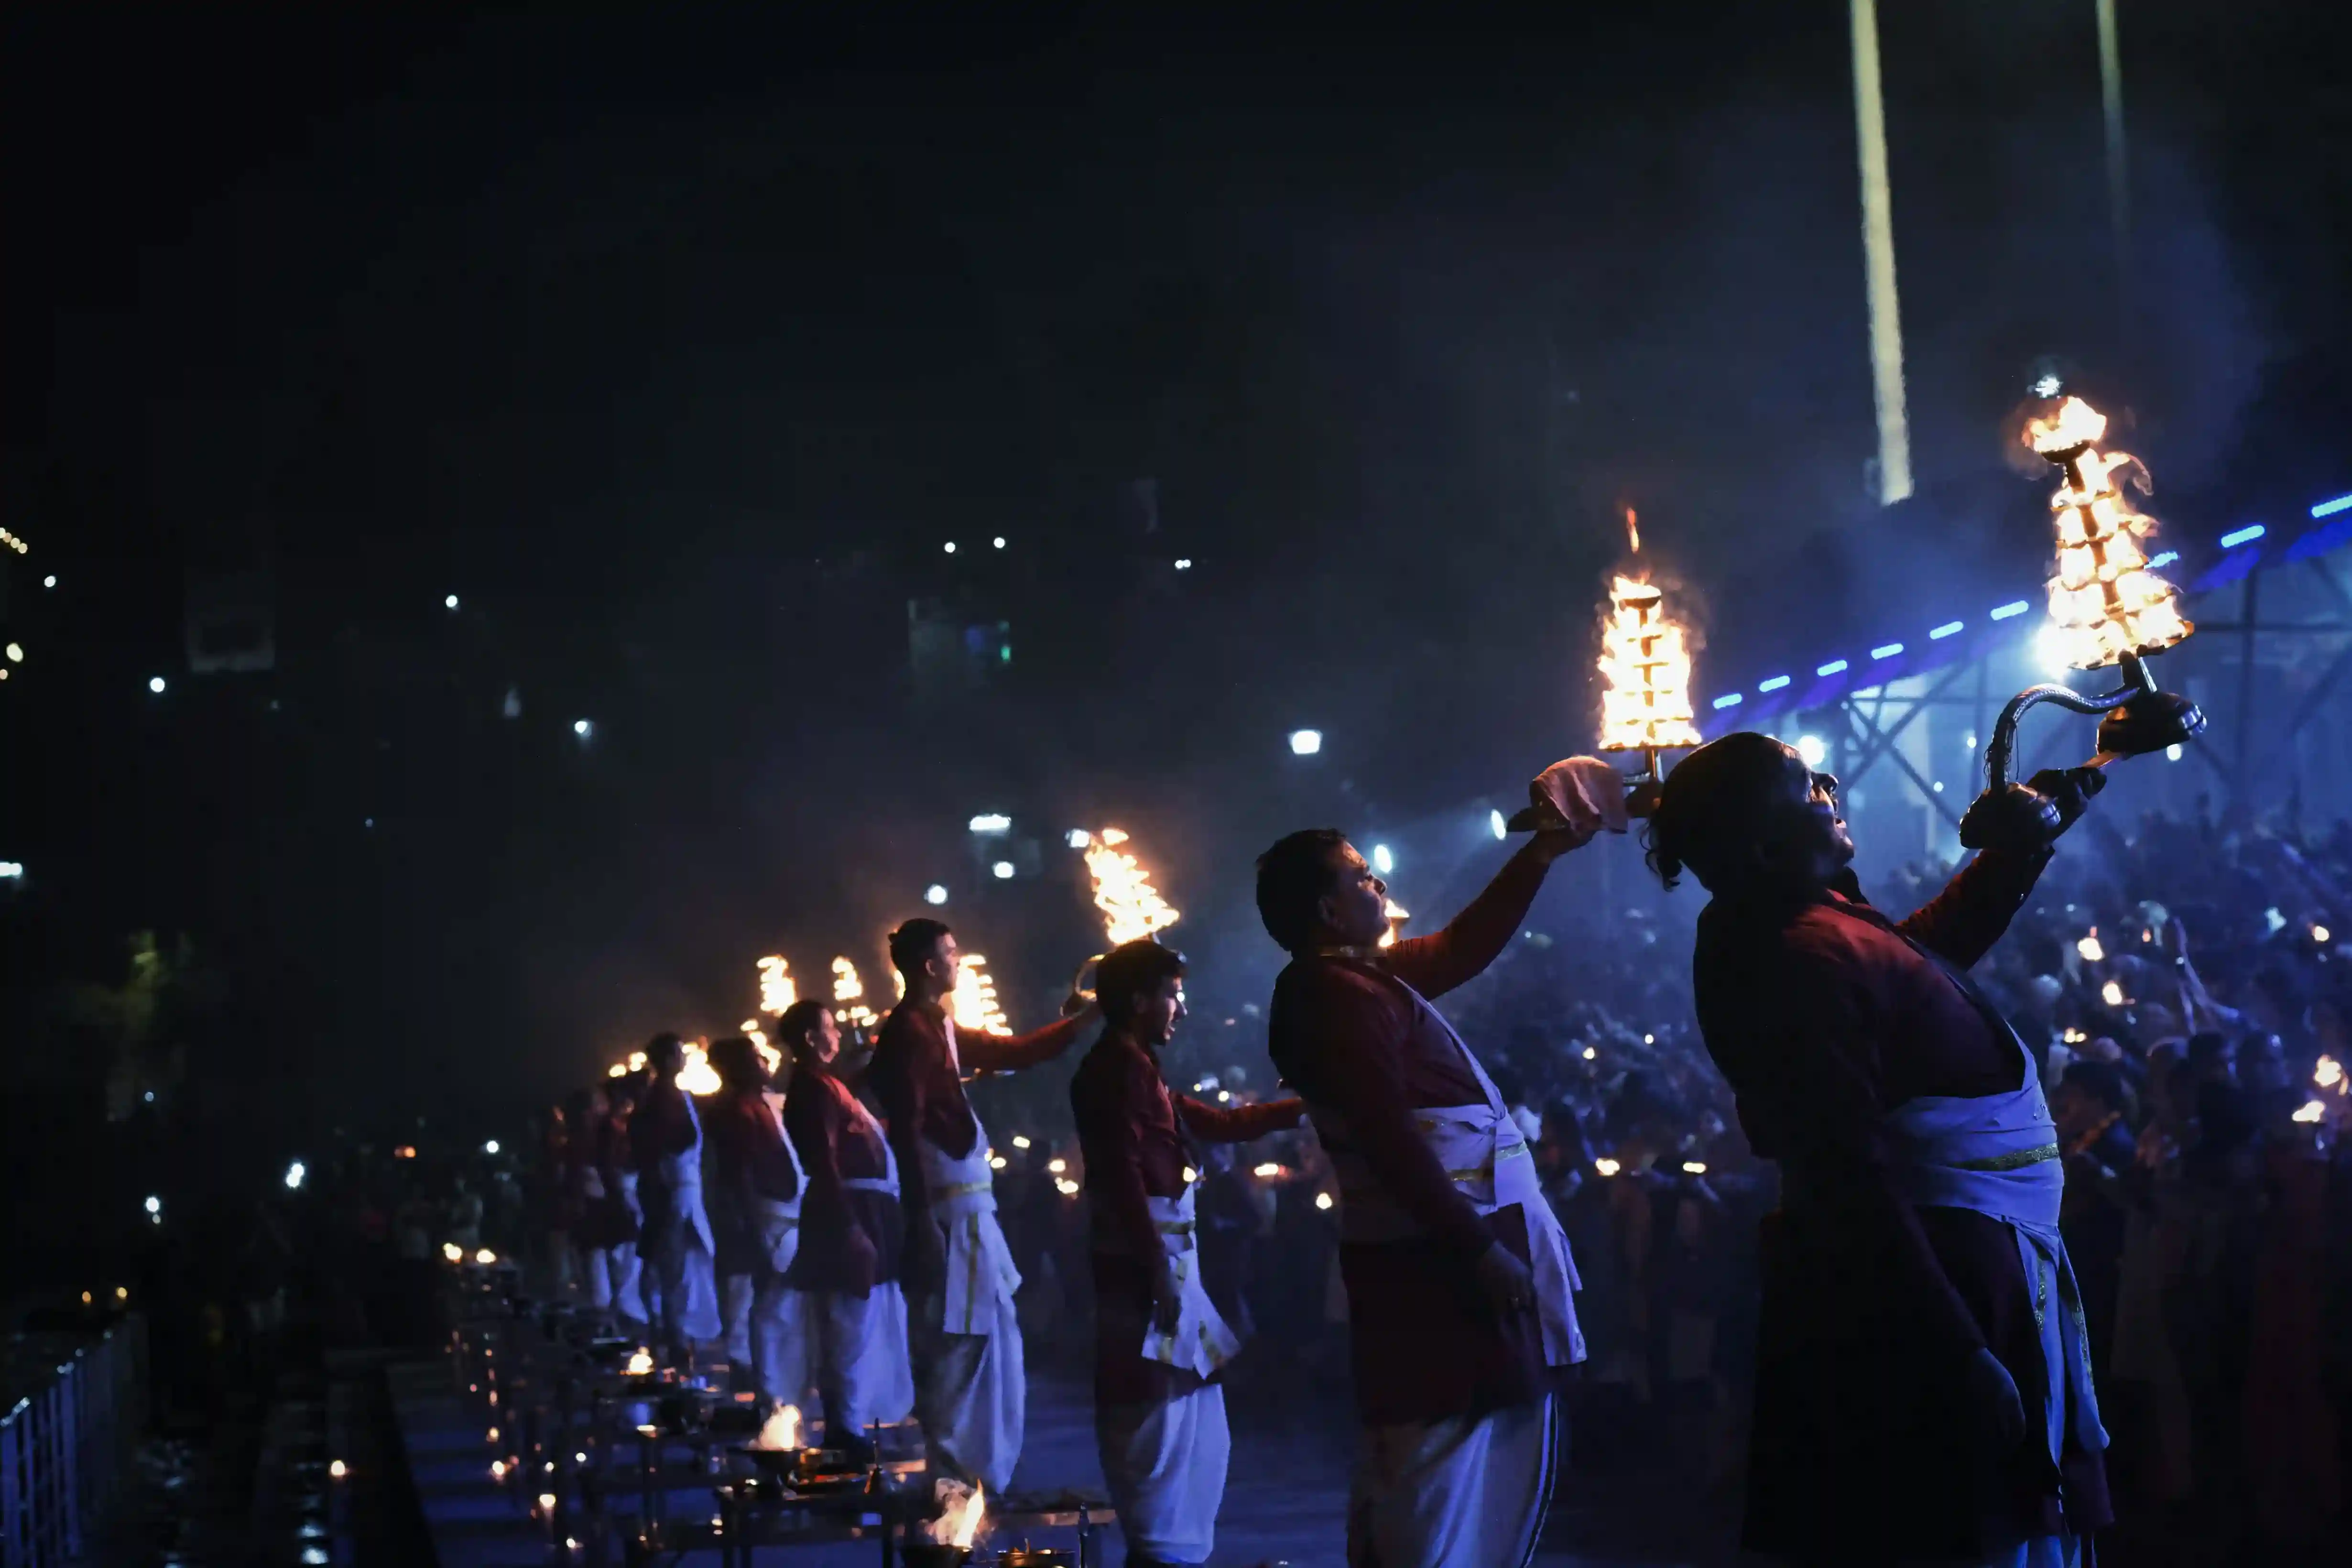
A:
{"points": [[935, 895], [974, 1001], [294, 1174], [1266, 1171], [1606, 1167], [1067, 1188], [778, 990], [641, 1363], [2089, 949], [453, 1252], [491, 1147], [998, 1161], [616, 1071], [450, 603], [2319, 935], [2111, 994], [849, 996], [1131, 907], [584, 728], [2107, 607], [2313, 1113], [990, 823], [486, 1256], [2330, 1074], [338, 1470], [1645, 660], [636, 1062], [1694, 1167], [1057, 1166], [1323, 1200], [154, 1205], [1021, 1139], [156, 684], [1001, 870], [1190, 1176], [1306, 743], [695, 1076]]}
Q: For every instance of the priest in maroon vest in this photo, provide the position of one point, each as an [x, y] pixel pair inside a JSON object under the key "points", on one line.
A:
{"points": [[1160, 1346], [1923, 1387], [1459, 1281]]}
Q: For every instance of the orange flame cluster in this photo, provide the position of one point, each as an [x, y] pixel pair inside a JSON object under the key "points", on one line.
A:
{"points": [[849, 996], [2104, 602], [1647, 658], [1397, 915], [1131, 907], [974, 1001]]}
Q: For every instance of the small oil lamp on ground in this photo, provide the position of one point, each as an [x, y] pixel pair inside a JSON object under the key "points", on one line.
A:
{"points": [[2107, 607]]}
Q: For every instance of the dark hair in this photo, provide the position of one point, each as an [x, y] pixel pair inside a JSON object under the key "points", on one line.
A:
{"points": [[799, 1021], [1708, 806], [735, 1062], [1130, 972], [2100, 1081], [911, 944], [662, 1045], [1292, 877]]}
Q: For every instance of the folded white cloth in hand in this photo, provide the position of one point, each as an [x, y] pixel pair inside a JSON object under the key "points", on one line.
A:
{"points": [[1583, 793]]}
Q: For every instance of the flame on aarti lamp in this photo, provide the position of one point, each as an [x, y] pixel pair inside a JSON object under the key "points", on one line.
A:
{"points": [[778, 990], [641, 1363], [961, 1521], [2104, 602], [1131, 907], [1397, 915], [1646, 659], [974, 1001], [781, 1430], [696, 1075], [770, 1057], [849, 996]]}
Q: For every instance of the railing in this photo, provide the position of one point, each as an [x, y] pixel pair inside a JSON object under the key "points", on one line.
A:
{"points": [[75, 1404]]}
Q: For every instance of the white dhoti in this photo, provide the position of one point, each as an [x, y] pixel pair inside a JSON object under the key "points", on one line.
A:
{"points": [[1165, 1465], [1165, 1460], [1465, 1492], [735, 1296], [970, 1389], [852, 1350], [680, 1247]]}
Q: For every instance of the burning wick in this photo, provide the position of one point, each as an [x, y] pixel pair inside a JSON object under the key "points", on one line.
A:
{"points": [[2330, 1074], [2105, 600], [960, 1519], [1397, 914], [782, 1431], [641, 1363]]}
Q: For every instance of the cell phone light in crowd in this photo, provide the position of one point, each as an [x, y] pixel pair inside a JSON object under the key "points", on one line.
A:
{"points": [[2330, 1074], [991, 822], [491, 1437], [1694, 1167], [2111, 994], [1606, 1167], [1591, 1052], [1266, 1171], [154, 1205], [156, 684], [1184, 564], [616, 1071], [486, 1256], [547, 1500], [15, 652], [1057, 1166], [1021, 1139], [1306, 743], [1649, 1039], [2089, 949], [997, 1162], [1225, 1096], [950, 547], [49, 581], [338, 1470], [1001, 870], [1066, 1187], [122, 1292], [1496, 825], [498, 1469], [492, 1146], [2276, 920], [1190, 1176], [935, 895], [294, 1174], [2319, 935], [453, 1252], [1323, 1201], [584, 728], [2314, 1111], [997, 543], [450, 603], [1077, 838], [12, 871]]}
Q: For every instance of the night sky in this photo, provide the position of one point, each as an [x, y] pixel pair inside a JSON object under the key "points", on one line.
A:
{"points": [[678, 349]]}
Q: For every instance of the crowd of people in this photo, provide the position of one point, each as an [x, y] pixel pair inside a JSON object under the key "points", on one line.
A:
{"points": [[2177, 984]]}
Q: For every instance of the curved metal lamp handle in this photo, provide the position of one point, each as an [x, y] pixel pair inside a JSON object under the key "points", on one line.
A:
{"points": [[2002, 748]]}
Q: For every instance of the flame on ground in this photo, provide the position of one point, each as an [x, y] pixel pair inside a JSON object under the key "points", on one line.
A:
{"points": [[781, 1430], [974, 1001], [1131, 907], [2105, 601], [960, 1521]]}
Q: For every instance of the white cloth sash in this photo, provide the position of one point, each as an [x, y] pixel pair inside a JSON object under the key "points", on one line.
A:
{"points": [[1486, 1157], [888, 1183], [1200, 1342], [963, 1194], [1997, 1155]]}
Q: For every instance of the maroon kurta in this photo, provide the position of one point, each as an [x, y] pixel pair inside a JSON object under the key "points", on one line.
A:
{"points": [[659, 1130], [923, 1099], [747, 1160], [1823, 1017], [1135, 1138], [837, 1143], [1346, 1032]]}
